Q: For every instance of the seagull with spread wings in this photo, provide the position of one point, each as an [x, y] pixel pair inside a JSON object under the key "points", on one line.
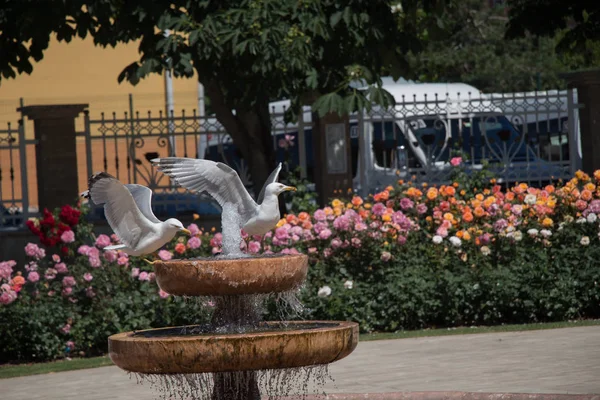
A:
{"points": [[225, 186], [127, 209]]}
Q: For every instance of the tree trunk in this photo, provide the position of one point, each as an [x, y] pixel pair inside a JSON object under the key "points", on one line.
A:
{"points": [[250, 129]]}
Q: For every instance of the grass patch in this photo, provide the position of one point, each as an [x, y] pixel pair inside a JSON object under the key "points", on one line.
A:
{"points": [[476, 329], [13, 371]]}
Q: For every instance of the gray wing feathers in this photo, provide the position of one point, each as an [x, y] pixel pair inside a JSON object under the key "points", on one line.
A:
{"points": [[217, 179], [120, 209], [143, 198], [272, 178]]}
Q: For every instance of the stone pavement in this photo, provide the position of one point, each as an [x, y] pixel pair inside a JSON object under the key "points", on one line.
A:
{"points": [[550, 361]]}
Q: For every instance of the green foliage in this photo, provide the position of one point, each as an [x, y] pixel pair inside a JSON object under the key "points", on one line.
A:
{"points": [[424, 286], [577, 25], [474, 50]]}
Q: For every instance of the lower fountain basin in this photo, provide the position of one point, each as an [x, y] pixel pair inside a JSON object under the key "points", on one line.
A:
{"points": [[272, 346], [231, 276]]}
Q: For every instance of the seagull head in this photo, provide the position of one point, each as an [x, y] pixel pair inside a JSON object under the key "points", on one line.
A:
{"points": [[278, 188], [176, 225]]}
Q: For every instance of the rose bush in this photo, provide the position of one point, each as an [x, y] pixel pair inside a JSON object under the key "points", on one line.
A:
{"points": [[71, 294], [408, 257]]}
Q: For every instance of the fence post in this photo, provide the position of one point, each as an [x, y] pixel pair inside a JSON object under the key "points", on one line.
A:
{"points": [[301, 143], [23, 160], [587, 84], [55, 152]]}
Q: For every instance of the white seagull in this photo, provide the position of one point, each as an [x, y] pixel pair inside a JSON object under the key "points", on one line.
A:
{"points": [[223, 183], [127, 209]]}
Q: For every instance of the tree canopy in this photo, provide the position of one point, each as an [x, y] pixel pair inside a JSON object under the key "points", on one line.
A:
{"points": [[245, 52]]}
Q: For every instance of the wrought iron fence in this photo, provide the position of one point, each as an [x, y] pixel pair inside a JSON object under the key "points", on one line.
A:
{"points": [[14, 188], [124, 146], [520, 137]]}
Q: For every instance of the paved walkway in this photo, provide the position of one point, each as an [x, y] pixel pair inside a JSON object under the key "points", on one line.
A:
{"points": [[551, 361]]}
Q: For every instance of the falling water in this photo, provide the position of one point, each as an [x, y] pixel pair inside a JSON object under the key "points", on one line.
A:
{"points": [[231, 228], [273, 383]]}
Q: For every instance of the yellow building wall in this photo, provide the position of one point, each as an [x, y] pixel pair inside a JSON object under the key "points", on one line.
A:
{"points": [[79, 72]]}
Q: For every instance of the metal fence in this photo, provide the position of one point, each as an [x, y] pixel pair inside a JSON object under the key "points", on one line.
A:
{"points": [[523, 137], [520, 137], [14, 183], [124, 146]]}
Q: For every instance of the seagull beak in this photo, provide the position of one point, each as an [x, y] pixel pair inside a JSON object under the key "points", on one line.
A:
{"points": [[290, 189], [186, 231]]}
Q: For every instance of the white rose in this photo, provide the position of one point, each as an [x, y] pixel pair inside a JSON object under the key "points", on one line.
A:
{"points": [[324, 291], [530, 199], [455, 241], [545, 233], [591, 218], [347, 285], [532, 232], [585, 241], [437, 239], [581, 220], [485, 250], [518, 235]]}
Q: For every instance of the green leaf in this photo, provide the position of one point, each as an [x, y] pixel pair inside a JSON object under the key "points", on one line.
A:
{"points": [[329, 103], [335, 18]]}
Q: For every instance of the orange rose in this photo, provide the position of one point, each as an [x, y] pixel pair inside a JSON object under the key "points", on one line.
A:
{"points": [[586, 195], [357, 201], [479, 212], [432, 193], [467, 217], [304, 216], [180, 248]]}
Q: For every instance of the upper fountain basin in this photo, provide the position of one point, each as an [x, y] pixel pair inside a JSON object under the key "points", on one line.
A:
{"points": [[235, 276]]}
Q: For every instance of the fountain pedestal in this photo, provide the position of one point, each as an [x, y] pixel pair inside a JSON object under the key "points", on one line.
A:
{"points": [[237, 344]]}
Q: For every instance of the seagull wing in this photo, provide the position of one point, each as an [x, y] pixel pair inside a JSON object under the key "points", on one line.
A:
{"points": [[143, 198], [120, 209], [217, 179], [272, 178]]}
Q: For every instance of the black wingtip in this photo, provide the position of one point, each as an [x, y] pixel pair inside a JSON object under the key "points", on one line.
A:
{"points": [[96, 177]]}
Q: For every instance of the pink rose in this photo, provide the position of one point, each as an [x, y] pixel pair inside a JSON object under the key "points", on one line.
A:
{"points": [[151, 276], [68, 281], [312, 250], [83, 249], [110, 255], [6, 269], [254, 247], [89, 292], [50, 274], [379, 209], [123, 260], [194, 230], [135, 272], [143, 276], [456, 161], [8, 297], [68, 236], [33, 276], [165, 255], [194, 242], [325, 234], [356, 242], [66, 329], [56, 258], [61, 268], [88, 277], [33, 250], [70, 345], [163, 294], [102, 241], [94, 262], [335, 243]]}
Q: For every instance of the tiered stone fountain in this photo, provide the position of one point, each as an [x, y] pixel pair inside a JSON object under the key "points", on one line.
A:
{"points": [[237, 356]]}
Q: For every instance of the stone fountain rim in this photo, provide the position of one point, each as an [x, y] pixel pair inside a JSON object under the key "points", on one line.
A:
{"points": [[128, 336], [231, 276], [234, 352]]}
